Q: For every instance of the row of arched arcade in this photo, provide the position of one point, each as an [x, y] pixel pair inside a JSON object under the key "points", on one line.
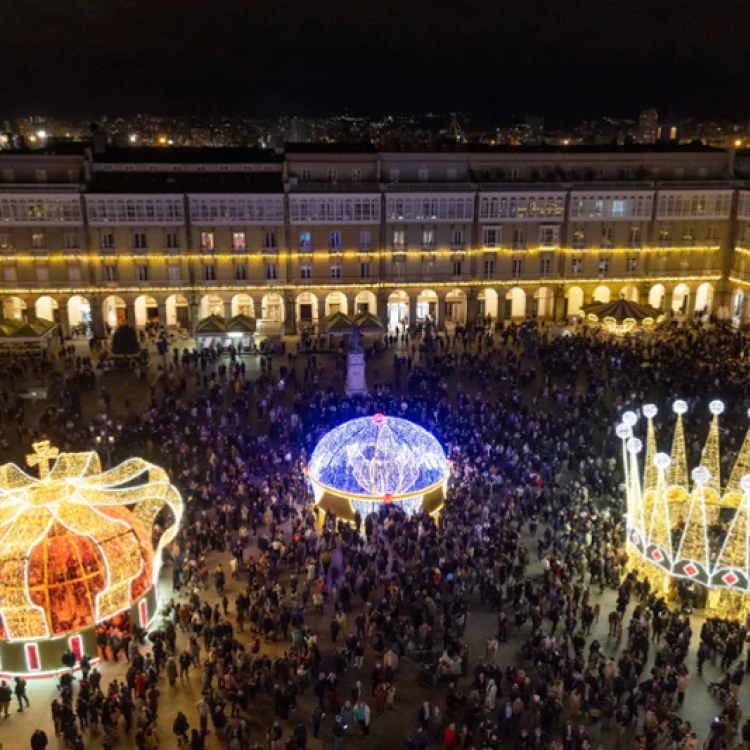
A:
{"points": [[291, 311]]}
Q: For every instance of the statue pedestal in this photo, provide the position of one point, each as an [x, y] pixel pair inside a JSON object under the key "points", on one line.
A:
{"points": [[355, 374]]}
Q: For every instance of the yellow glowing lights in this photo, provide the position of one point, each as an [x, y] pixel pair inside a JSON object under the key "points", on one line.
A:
{"points": [[75, 544]]}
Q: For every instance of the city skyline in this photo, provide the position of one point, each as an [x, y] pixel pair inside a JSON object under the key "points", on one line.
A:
{"points": [[567, 62]]}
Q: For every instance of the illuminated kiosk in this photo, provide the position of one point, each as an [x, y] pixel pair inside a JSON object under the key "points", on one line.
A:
{"points": [[76, 550], [372, 460], [623, 316], [683, 531]]}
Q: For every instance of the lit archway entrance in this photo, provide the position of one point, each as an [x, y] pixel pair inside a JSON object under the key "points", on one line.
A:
{"points": [[336, 302], [115, 312], [242, 304], [427, 306], [681, 299], [544, 300], [211, 304], [366, 302], [455, 307], [704, 298], [602, 294], [515, 303], [178, 312], [398, 310], [488, 304], [47, 308], [79, 314], [272, 308], [307, 309], [630, 293], [14, 308], [656, 296], [146, 311], [738, 307]]}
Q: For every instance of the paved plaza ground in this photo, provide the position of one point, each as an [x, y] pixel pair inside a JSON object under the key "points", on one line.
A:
{"points": [[388, 731]]}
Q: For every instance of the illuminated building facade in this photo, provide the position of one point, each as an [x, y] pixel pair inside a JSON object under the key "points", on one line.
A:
{"points": [[174, 235], [688, 526], [78, 548], [366, 462]]}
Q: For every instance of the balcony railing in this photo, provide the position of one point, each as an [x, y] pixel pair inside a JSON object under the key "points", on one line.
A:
{"points": [[430, 187], [339, 186]]}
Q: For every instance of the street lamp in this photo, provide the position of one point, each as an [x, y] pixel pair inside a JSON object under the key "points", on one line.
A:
{"points": [[103, 435]]}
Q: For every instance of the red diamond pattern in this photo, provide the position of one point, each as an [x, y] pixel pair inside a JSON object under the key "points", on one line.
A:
{"points": [[691, 570], [635, 538], [730, 578], [657, 555]]}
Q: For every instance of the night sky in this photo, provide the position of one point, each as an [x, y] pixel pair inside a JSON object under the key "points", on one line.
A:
{"points": [[567, 60]]}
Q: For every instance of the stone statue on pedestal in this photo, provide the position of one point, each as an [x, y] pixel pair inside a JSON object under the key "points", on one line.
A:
{"points": [[355, 361]]}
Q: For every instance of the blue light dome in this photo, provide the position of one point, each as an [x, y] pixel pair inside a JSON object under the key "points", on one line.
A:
{"points": [[378, 456]]}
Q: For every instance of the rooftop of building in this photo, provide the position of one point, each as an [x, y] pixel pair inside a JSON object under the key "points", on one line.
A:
{"points": [[186, 182], [185, 155]]}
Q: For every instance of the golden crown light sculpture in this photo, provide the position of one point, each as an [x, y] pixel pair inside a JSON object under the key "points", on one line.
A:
{"points": [[76, 549], [692, 531]]}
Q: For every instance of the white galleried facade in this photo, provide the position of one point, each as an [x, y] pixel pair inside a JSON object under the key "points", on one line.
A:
{"points": [[174, 234]]}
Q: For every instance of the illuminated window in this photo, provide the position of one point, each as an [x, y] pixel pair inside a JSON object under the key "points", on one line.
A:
{"points": [[399, 238], [37, 241], [618, 207], [579, 238], [428, 238], [548, 235], [207, 241], [335, 270], [305, 271], [634, 237], [5, 243], [688, 234], [335, 241], [238, 241], [305, 241], [665, 235], [607, 237], [604, 265], [492, 236], [632, 263], [576, 266]]}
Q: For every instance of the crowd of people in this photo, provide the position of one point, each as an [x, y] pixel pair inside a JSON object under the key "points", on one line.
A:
{"points": [[308, 611]]}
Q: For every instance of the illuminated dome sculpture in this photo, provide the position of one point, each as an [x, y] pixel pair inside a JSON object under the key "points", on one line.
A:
{"points": [[688, 527], [372, 460], [623, 316], [76, 550]]}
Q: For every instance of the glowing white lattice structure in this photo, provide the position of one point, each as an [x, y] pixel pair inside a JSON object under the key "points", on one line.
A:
{"points": [[378, 459], [682, 530], [76, 550]]}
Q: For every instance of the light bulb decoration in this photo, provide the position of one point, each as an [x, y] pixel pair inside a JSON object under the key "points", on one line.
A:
{"points": [[77, 544], [671, 524], [368, 461]]}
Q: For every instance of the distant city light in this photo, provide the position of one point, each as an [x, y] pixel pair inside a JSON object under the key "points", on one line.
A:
{"points": [[163, 140], [738, 142], [566, 142], [41, 134], [170, 142], [133, 138], [32, 138]]}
